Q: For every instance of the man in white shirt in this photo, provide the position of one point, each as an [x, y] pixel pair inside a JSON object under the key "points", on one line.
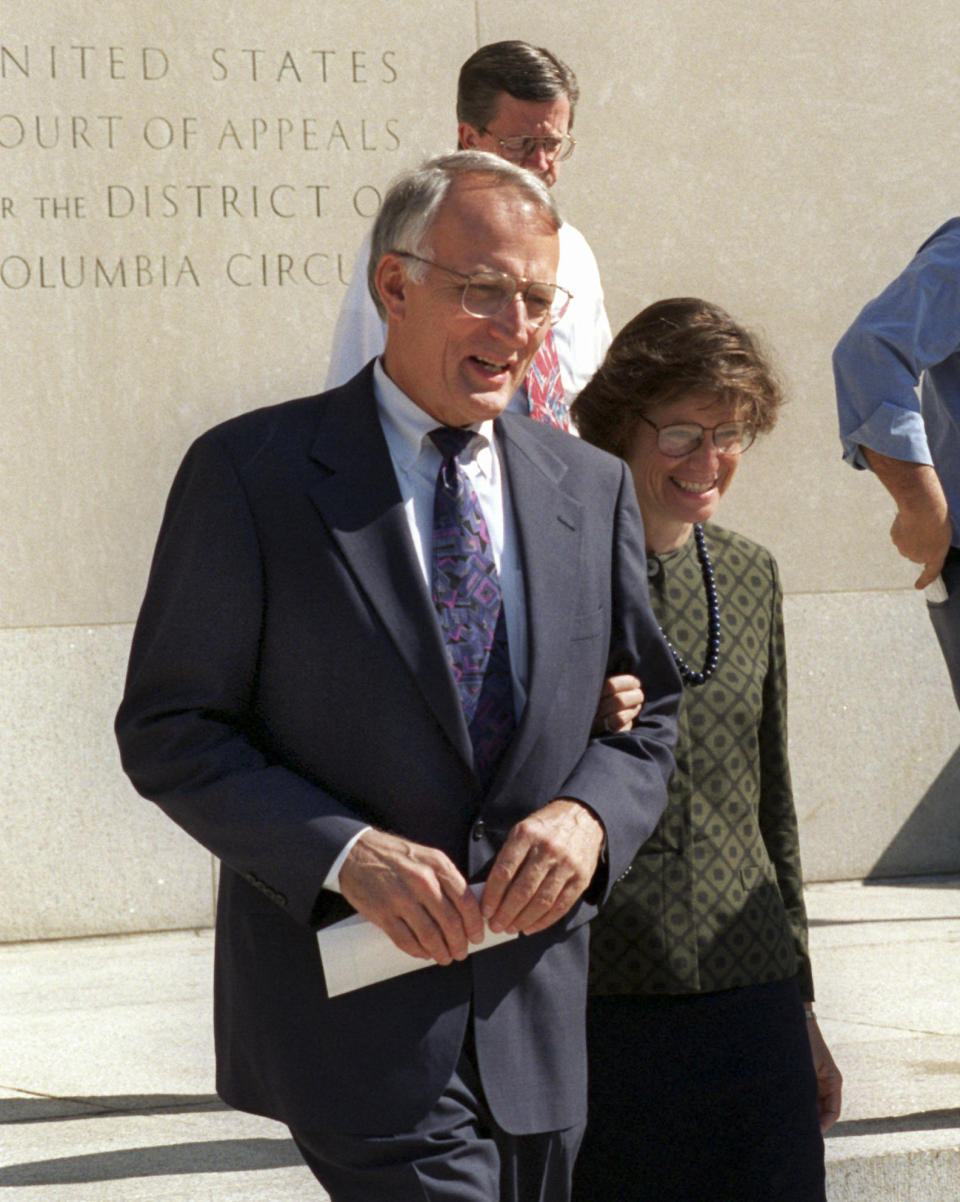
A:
{"points": [[516, 101]]}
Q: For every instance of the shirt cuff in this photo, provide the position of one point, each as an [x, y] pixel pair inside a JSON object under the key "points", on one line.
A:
{"points": [[892, 431], [332, 879]]}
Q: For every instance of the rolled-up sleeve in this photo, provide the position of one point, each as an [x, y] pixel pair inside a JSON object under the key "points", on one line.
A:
{"points": [[913, 325]]}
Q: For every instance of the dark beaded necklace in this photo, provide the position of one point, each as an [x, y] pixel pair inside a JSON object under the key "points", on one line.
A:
{"points": [[713, 621]]}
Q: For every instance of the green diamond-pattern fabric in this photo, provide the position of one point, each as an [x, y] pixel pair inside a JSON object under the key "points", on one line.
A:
{"points": [[714, 898]]}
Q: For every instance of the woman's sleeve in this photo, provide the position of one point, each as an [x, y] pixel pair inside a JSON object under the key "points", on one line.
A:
{"points": [[778, 817]]}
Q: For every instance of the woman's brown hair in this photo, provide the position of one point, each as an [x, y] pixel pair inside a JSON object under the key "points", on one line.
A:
{"points": [[671, 349]]}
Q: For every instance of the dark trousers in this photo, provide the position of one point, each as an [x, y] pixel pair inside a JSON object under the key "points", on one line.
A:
{"points": [[701, 1098], [457, 1153], [945, 616]]}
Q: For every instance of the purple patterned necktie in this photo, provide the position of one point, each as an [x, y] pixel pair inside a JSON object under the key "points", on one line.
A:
{"points": [[466, 593]]}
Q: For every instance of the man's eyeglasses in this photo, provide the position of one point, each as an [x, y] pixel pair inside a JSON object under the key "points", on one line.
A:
{"points": [[487, 293], [518, 149], [730, 438]]}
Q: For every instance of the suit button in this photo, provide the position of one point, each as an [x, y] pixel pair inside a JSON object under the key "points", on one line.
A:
{"points": [[479, 830]]}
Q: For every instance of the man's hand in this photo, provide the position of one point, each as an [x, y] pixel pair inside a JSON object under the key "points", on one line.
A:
{"points": [[921, 530], [621, 699], [545, 865], [924, 538], [414, 893]]}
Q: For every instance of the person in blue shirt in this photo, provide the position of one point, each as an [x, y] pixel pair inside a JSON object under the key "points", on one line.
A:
{"points": [[907, 336]]}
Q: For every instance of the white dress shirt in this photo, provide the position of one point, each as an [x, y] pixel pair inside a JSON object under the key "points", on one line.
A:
{"points": [[416, 463]]}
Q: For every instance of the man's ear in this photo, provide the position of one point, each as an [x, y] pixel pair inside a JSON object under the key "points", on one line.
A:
{"points": [[392, 282], [468, 137]]}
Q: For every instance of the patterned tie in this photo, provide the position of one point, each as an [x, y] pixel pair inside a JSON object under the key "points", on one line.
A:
{"points": [[466, 593], [545, 387]]}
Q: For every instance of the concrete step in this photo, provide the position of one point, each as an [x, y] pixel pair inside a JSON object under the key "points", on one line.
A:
{"points": [[106, 1062], [886, 960]]}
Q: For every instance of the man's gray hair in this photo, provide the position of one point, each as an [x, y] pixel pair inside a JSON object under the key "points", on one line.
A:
{"points": [[413, 200]]}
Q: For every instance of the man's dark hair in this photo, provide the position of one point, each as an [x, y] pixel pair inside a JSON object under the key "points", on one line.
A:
{"points": [[525, 72]]}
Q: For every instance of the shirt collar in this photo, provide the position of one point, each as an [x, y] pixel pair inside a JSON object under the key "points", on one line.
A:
{"points": [[406, 426]]}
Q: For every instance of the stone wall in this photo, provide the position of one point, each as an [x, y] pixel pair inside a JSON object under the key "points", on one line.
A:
{"points": [[182, 189]]}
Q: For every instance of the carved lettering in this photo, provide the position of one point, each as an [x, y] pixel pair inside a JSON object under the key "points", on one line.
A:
{"points": [[306, 110], [61, 206], [317, 269], [55, 132], [160, 133], [366, 200], [198, 201], [389, 75], [293, 134], [82, 62], [18, 272], [316, 65]]}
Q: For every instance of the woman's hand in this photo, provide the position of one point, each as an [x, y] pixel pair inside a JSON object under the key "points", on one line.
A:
{"points": [[621, 700], [829, 1079]]}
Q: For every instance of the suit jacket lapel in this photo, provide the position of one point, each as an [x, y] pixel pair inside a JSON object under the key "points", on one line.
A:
{"points": [[548, 522], [357, 496]]}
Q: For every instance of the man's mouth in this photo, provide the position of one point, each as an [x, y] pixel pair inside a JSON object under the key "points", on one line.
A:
{"points": [[490, 365]]}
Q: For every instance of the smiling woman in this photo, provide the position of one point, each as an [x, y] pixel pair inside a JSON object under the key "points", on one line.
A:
{"points": [[699, 969]]}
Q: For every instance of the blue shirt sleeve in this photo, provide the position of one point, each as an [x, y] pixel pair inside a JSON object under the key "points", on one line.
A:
{"points": [[913, 325]]}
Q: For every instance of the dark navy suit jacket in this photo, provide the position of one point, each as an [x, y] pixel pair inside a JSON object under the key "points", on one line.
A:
{"points": [[288, 683]]}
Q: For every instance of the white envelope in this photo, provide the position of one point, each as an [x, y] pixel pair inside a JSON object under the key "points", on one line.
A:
{"points": [[356, 953]]}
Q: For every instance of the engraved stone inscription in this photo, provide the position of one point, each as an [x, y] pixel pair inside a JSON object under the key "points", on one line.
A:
{"points": [[159, 166]]}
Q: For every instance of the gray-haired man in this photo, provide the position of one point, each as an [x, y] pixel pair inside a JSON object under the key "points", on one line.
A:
{"points": [[298, 701]]}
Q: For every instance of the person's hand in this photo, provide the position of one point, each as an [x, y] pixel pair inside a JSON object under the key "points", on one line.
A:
{"points": [[922, 537], [829, 1079], [414, 893], [921, 529], [546, 863], [621, 699]]}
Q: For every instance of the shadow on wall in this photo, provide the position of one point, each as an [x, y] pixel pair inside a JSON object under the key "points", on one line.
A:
{"points": [[931, 835]]}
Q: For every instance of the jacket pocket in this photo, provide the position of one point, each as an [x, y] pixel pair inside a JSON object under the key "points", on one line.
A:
{"points": [[587, 625]]}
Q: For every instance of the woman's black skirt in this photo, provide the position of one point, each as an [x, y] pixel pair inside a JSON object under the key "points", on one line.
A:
{"points": [[701, 1098]]}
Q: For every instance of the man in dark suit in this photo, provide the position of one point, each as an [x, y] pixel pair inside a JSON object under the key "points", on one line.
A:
{"points": [[299, 700]]}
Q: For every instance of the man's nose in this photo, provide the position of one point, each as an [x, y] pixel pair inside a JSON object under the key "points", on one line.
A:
{"points": [[512, 320], [538, 161]]}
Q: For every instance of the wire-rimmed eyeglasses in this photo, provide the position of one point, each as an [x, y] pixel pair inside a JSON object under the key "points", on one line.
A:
{"points": [[519, 148], [487, 293], [683, 438]]}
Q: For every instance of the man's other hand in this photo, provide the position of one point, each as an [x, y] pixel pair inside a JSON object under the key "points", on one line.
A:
{"points": [[546, 863], [416, 894]]}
